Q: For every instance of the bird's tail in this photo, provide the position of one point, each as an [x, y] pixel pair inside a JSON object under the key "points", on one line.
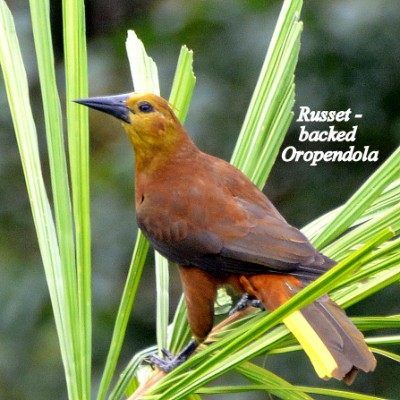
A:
{"points": [[334, 345]]}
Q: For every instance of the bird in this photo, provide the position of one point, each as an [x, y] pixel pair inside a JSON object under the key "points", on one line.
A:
{"points": [[205, 215]]}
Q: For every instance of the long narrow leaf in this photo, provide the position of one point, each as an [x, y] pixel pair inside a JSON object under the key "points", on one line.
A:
{"points": [[75, 56], [261, 376], [162, 286], [143, 69], [18, 97], [183, 84], [40, 12], [360, 201], [124, 312], [269, 112], [332, 393]]}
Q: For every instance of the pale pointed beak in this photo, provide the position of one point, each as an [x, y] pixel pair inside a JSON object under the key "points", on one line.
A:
{"points": [[113, 105]]}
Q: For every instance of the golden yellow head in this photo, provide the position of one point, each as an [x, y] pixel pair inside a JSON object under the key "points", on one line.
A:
{"points": [[151, 125]]}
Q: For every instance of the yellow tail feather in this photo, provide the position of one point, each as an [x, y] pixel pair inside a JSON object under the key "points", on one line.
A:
{"points": [[320, 356]]}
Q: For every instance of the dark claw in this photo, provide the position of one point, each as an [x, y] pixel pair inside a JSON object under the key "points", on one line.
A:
{"points": [[171, 362], [165, 365], [247, 301], [167, 354]]}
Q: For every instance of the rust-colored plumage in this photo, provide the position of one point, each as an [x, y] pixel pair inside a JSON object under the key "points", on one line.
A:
{"points": [[208, 217]]}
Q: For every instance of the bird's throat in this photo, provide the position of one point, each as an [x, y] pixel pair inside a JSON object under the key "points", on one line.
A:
{"points": [[158, 156]]}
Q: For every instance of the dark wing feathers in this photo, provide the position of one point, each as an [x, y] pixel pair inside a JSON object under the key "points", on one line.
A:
{"points": [[271, 239], [257, 243], [274, 244]]}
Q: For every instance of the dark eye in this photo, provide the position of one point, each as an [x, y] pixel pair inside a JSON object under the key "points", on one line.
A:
{"points": [[145, 107]]}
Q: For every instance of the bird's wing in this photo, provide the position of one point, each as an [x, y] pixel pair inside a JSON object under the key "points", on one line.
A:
{"points": [[242, 237], [268, 240]]}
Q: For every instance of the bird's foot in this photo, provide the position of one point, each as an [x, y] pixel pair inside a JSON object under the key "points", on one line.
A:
{"points": [[170, 362], [166, 364], [247, 301]]}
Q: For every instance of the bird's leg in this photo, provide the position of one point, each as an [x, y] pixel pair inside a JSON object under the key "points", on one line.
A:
{"points": [[171, 361], [247, 301], [200, 314]]}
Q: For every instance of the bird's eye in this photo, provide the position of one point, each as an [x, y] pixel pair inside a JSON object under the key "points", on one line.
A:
{"points": [[145, 107]]}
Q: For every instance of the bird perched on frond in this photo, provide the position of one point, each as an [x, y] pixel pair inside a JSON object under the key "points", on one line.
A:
{"points": [[206, 216]]}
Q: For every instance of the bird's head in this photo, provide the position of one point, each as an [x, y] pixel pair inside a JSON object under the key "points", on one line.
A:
{"points": [[148, 120]]}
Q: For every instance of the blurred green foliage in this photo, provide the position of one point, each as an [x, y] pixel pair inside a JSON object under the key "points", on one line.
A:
{"points": [[350, 58]]}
